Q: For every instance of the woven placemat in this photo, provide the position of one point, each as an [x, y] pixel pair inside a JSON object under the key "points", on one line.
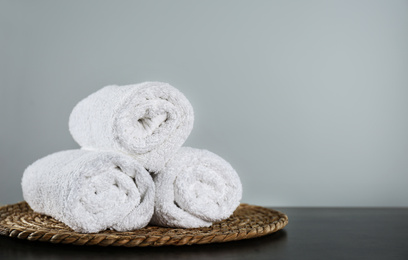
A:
{"points": [[248, 221]]}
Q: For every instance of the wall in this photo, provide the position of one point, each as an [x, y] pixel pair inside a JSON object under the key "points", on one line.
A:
{"points": [[306, 99]]}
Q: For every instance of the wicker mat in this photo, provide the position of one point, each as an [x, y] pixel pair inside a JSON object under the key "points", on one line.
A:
{"points": [[248, 221]]}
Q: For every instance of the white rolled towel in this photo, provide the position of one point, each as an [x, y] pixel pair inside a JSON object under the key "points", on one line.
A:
{"points": [[90, 191], [150, 121], [195, 189]]}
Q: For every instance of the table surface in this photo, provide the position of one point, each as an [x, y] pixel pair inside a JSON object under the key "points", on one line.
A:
{"points": [[312, 233]]}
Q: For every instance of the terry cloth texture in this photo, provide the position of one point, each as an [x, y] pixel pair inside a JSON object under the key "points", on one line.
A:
{"points": [[90, 191], [195, 189], [149, 121]]}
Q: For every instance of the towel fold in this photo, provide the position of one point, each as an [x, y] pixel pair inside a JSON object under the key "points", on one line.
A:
{"points": [[150, 121], [90, 191], [195, 189]]}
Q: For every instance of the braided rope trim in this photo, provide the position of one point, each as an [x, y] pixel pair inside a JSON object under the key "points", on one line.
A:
{"points": [[248, 221]]}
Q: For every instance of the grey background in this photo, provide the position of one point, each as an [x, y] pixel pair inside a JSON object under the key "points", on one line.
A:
{"points": [[306, 99]]}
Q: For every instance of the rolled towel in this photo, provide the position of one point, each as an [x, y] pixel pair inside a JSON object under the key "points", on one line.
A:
{"points": [[195, 189], [150, 121], [90, 191]]}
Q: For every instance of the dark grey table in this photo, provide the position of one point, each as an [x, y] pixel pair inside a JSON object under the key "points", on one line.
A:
{"points": [[312, 233]]}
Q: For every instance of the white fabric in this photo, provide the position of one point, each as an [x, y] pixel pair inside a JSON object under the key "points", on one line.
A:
{"points": [[195, 189], [149, 121], [90, 191]]}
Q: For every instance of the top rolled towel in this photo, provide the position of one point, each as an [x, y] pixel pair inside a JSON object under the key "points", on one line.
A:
{"points": [[195, 189], [150, 121]]}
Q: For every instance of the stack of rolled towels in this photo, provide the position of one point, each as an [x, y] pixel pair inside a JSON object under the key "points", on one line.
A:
{"points": [[132, 169]]}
